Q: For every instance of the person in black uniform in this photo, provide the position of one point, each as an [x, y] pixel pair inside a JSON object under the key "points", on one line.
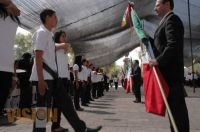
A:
{"points": [[168, 50]]}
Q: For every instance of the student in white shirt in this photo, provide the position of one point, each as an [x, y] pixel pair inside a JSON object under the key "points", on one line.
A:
{"points": [[62, 57], [84, 84], [78, 76], [94, 80], [8, 26], [100, 91], [98, 83], [44, 49], [89, 84], [63, 72]]}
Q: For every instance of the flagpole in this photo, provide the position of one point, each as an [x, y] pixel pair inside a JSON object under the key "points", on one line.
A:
{"points": [[191, 46], [165, 101]]}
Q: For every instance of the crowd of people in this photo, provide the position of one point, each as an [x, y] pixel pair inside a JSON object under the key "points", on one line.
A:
{"points": [[189, 81]]}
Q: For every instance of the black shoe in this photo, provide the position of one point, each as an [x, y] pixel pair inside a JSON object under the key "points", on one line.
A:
{"points": [[136, 101], [80, 109], [60, 129], [86, 105], [5, 121], [94, 129], [88, 102]]}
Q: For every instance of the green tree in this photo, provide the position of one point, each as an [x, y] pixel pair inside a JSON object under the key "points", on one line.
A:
{"points": [[22, 45], [112, 70], [71, 54]]}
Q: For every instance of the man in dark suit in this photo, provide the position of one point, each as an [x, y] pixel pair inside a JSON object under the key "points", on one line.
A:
{"points": [[137, 81], [168, 44]]}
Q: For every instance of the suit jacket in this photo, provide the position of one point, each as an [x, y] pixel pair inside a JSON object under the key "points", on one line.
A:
{"points": [[168, 49], [137, 78]]}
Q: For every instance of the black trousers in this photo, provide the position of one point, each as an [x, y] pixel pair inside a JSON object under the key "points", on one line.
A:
{"points": [[6, 84], [178, 107], [63, 102], [137, 91], [107, 87], [25, 93], [83, 93], [94, 90], [77, 94], [116, 85], [99, 89], [55, 106], [88, 92], [71, 88]]}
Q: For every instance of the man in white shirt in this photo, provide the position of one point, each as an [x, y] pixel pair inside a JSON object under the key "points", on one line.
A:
{"points": [[89, 84], [44, 49], [78, 80], [94, 80], [85, 81]]}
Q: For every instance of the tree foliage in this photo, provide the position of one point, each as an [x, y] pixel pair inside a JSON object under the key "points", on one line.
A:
{"points": [[113, 70], [22, 44]]}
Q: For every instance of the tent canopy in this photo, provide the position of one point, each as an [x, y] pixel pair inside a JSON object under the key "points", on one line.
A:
{"points": [[93, 26]]}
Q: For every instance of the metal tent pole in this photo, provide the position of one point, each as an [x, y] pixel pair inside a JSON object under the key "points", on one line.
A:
{"points": [[191, 44]]}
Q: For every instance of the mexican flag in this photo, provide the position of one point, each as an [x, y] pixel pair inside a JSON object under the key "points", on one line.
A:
{"points": [[154, 102], [128, 78]]}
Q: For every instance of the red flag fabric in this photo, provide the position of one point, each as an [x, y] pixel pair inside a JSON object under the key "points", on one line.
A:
{"points": [[153, 99], [128, 85], [128, 89]]}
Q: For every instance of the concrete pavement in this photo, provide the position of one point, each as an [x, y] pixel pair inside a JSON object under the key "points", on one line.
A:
{"points": [[116, 112]]}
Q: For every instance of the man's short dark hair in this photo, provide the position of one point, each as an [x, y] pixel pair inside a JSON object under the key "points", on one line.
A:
{"points": [[45, 13], [84, 60], [171, 2], [137, 62]]}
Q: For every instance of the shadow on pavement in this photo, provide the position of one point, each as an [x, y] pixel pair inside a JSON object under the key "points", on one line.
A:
{"points": [[101, 107], [102, 104], [99, 112], [113, 120]]}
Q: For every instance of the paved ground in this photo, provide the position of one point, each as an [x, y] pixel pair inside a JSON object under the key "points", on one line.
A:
{"points": [[117, 113]]}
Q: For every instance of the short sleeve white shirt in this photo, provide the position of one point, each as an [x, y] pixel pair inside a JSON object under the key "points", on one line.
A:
{"points": [[115, 79], [80, 74], [89, 71], [85, 73], [99, 77], [8, 30], [43, 40], [62, 61], [94, 77]]}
